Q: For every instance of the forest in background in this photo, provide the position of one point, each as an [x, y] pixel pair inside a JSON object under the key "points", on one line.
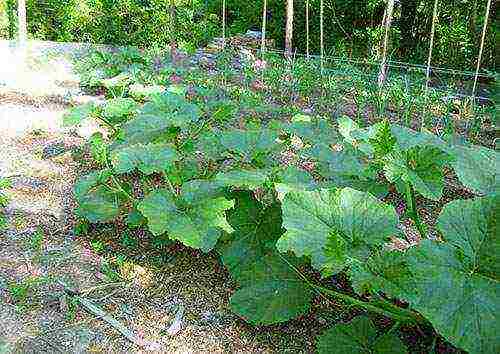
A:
{"points": [[351, 28]]}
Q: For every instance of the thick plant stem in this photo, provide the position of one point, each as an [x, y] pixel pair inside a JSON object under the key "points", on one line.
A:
{"points": [[397, 313], [410, 201]]}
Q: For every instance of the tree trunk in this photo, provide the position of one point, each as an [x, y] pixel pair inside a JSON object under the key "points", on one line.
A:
{"points": [[289, 27], [22, 27]]}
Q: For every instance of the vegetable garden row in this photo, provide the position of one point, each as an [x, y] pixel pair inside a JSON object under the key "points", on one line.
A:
{"points": [[291, 201]]}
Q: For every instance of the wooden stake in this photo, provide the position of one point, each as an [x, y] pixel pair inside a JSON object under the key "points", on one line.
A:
{"points": [[173, 41], [264, 20], [321, 38], [383, 65], [223, 23], [307, 28], [289, 27], [483, 36], [434, 20]]}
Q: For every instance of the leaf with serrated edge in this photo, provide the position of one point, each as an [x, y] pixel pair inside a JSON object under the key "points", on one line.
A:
{"points": [[199, 225], [270, 292], [327, 224], [247, 143], [78, 114], [386, 272], [117, 109], [148, 158], [477, 168], [423, 169], [359, 337], [457, 282], [96, 202], [292, 179]]}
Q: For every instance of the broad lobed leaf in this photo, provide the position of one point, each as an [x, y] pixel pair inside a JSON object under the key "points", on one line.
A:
{"points": [[359, 337], [198, 224], [148, 158], [270, 292], [334, 226]]}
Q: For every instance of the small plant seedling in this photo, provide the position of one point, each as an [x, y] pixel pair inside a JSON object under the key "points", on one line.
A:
{"points": [[36, 240], [128, 240], [97, 246], [81, 228]]}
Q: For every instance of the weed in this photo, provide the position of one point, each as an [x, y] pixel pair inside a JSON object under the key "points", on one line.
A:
{"points": [[36, 240]]}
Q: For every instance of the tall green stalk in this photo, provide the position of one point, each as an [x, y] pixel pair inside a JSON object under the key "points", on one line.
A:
{"points": [[410, 201]]}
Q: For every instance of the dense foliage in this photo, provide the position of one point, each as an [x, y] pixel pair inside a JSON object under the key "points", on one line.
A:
{"points": [[352, 28], [182, 163], [119, 22]]}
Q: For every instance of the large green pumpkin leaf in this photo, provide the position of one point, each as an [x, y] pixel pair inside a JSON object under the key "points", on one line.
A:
{"points": [[96, 201], [292, 179], [422, 167], [146, 128], [148, 158], [249, 143], [457, 282], [78, 114], [359, 337], [477, 168], [383, 271], [313, 131], [119, 109], [270, 291], [198, 224], [142, 92], [168, 103], [333, 227]]}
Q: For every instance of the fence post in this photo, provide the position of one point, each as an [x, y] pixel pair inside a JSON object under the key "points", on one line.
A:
{"points": [[223, 24], [483, 36], [383, 65], [263, 36], [173, 39], [433, 29], [321, 34], [307, 29], [289, 27]]}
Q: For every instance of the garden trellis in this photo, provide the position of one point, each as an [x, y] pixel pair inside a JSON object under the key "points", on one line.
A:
{"points": [[384, 61]]}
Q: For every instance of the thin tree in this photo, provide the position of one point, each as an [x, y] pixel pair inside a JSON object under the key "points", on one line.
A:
{"points": [[22, 32], [289, 27], [22, 24]]}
